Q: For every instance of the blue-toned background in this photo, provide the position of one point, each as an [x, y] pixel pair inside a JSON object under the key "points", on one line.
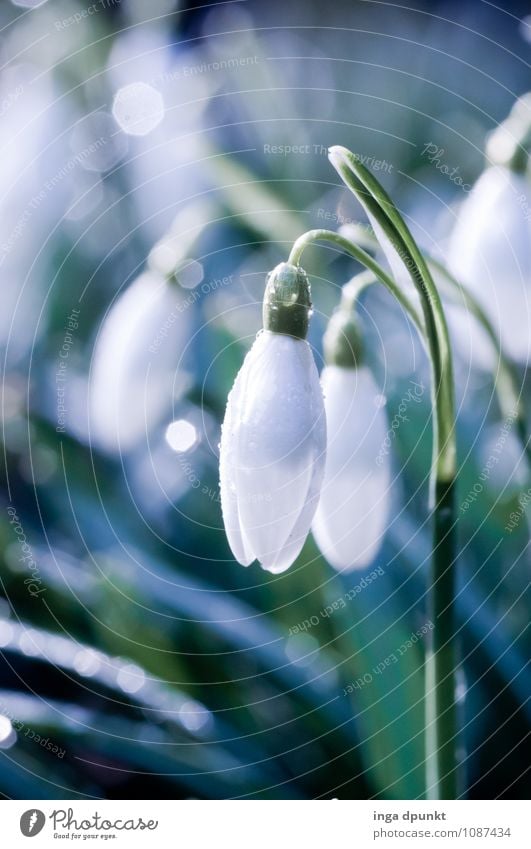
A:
{"points": [[138, 659]]}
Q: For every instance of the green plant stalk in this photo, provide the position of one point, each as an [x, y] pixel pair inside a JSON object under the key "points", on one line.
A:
{"points": [[352, 290], [440, 759], [440, 662], [364, 258], [506, 385]]}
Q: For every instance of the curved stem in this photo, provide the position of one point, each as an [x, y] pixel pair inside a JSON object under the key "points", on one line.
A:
{"points": [[352, 290], [360, 235], [440, 703], [364, 258], [380, 207]]}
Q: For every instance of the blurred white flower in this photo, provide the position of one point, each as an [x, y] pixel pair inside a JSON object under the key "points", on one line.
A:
{"points": [[353, 510], [273, 445], [136, 356], [97, 143], [490, 252], [165, 167]]}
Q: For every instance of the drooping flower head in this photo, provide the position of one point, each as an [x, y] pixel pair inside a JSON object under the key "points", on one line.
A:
{"points": [[490, 246], [273, 439], [142, 339], [353, 510], [134, 361]]}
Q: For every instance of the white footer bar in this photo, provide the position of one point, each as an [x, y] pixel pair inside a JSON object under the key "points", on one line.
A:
{"points": [[265, 824]]}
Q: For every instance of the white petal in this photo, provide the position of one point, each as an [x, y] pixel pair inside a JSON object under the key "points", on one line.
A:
{"points": [[490, 251], [135, 358], [353, 510], [280, 436], [227, 468], [298, 535]]}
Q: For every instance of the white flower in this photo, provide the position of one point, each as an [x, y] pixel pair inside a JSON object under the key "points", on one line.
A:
{"points": [[273, 444], [353, 510], [135, 359], [490, 252]]}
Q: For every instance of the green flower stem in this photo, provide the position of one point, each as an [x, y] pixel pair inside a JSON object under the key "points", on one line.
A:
{"points": [[440, 663], [440, 702], [364, 258], [360, 235], [352, 290]]}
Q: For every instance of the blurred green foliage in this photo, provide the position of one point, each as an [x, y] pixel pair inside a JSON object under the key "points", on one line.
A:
{"points": [[159, 665]]}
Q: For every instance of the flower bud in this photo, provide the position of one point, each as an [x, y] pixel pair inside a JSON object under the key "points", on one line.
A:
{"points": [[509, 144], [342, 341], [135, 357], [353, 509], [287, 301]]}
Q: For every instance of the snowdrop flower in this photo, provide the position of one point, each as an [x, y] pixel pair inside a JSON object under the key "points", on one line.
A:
{"points": [[143, 337], [133, 368], [490, 251], [490, 246], [353, 510], [273, 439]]}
